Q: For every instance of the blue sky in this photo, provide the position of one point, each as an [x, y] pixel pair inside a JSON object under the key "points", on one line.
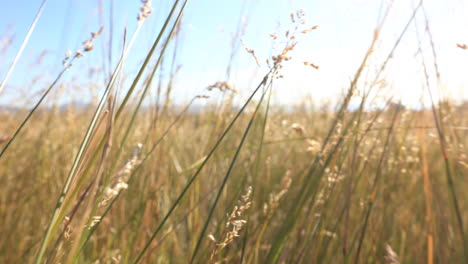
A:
{"points": [[337, 46]]}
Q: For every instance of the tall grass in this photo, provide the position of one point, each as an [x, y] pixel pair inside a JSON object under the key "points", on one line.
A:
{"points": [[246, 183]]}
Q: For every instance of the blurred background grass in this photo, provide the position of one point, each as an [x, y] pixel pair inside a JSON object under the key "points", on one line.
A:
{"points": [[136, 174]]}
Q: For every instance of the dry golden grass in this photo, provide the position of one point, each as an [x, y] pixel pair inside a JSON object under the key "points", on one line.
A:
{"points": [[412, 207], [121, 181]]}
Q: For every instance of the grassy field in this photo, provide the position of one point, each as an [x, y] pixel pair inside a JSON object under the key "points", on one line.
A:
{"points": [[118, 181]]}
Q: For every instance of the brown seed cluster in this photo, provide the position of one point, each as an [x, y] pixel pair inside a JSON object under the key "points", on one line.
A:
{"points": [[250, 51], [311, 65], [298, 20], [87, 46], [145, 10], [234, 223], [275, 198], [119, 181], [222, 86]]}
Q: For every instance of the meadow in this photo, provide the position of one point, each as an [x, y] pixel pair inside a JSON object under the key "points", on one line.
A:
{"points": [[121, 181]]}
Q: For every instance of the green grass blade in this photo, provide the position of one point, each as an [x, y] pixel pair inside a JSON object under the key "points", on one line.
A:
{"points": [[23, 45], [226, 177], [54, 222], [202, 165]]}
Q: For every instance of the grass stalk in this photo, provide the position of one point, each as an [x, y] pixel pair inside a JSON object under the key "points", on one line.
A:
{"points": [[23, 45], [194, 177]]}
